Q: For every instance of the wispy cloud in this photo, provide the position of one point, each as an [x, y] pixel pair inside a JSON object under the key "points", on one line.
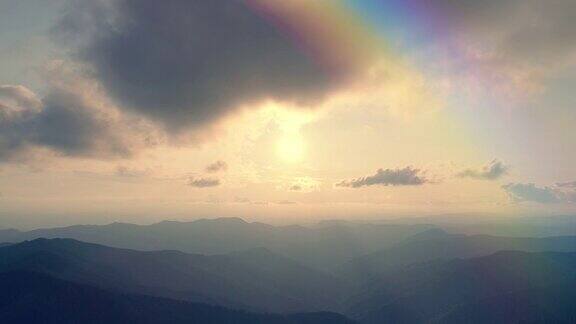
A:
{"points": [[529, 192], [571, 184], [126, 172], [203, 182], [218, 166], [493, 171], [286, 202]]}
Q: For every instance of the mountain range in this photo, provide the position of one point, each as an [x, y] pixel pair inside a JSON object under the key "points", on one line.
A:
{"points": [[256, 280], [419, 274], [323, 246], [437, 244], [33, 298], [442, 290]]}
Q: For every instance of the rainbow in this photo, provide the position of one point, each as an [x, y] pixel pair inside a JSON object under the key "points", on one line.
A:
{"points": [[344, 36], [417, 39]]}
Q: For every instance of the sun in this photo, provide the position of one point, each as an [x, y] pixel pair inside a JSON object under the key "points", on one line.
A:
{"points": [[287, 123], [291, 148]]}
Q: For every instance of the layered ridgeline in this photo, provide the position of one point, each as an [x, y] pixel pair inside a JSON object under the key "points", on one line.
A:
{"points": [[437, 244], [257, 280], [481, 224], [428, 276], [33, 298], [492, 289], [347, 248], [323, 246]]}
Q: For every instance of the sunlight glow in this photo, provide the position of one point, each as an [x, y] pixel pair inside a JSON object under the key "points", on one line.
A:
{"points": [[290, 145], [291, 148]]}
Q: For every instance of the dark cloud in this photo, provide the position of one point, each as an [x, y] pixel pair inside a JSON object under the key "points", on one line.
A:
{"points": [[70, 125], [203, 182], [493, 171], [71, 120], [217, 166], [66, 130], [530, 192], [407, 176], [188, 63]]}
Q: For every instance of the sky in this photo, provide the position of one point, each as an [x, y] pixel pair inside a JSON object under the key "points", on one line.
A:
{"points": [[143, 110]]}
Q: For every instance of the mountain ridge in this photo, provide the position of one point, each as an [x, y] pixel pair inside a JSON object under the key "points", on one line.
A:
{"points": [[256, 280], [29, 297], [322, 247]]}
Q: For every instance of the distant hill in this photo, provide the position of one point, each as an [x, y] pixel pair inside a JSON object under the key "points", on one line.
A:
{"points": [[436, 244], [541, 305], [256, 280], [10, 235], [503, 287], [324, 246], [482, 224], [430, 291], [32, 298]]}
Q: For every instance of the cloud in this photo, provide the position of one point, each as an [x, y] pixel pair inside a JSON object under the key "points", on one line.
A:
{"points": [[571, 184], [242, 200], [17, 97], [206, 58], [530, 30], [126, 172], [407, 176], [530, 192], [521, 40], [73, 119], [189, 63], [217, 166], [203, 182], [286, 202], [493, 171], [303, 184]]}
